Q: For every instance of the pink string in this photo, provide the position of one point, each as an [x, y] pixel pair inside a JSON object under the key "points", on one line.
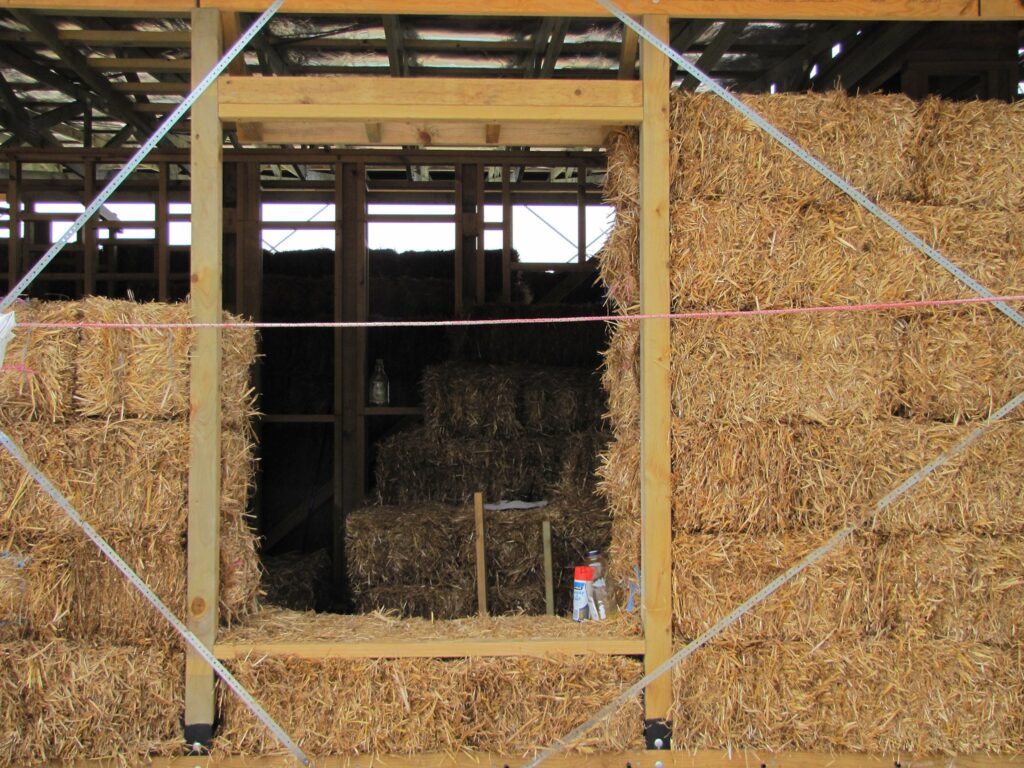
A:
{"points": [[697, 315]]}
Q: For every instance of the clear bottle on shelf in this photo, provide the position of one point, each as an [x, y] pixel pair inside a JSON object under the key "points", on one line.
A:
{"points": [[598, 588], [380, 389]]}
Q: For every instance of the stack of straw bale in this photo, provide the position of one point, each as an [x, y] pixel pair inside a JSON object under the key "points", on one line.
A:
{"points": [[496, 428], [104, 414], [419, 558], [785, 429]]}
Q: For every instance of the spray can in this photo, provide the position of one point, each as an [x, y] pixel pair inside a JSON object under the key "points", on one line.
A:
{"points": [[583, 578]]}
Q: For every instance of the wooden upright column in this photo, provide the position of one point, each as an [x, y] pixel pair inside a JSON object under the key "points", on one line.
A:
{"points": [[204, 423], [655, 391]]}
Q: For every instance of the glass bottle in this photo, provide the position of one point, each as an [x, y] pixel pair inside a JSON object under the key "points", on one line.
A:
{"points": [[380, 390], [600, 590]]}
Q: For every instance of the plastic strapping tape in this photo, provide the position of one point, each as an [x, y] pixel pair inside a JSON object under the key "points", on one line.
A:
{"points": [[770, 588], [859, 197], [189, 637], [140, 155]]}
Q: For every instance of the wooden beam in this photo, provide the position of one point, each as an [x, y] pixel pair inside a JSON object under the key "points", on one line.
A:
{"points": [[231, 30], [382, 99], [125, 64], [434, 649], [549, 569], [691, 9], [153, 89], [554, 49], [107, 38], [629, 54], [424, 134], [655, 385], [1001, 10], [715, 50], [785, 73], [204, 416], [114, 103], [704, 758], [395, 42], [854, 64]]}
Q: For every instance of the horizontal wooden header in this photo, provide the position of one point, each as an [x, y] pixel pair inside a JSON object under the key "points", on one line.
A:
{"points": [[384, 99], [861, 10]]}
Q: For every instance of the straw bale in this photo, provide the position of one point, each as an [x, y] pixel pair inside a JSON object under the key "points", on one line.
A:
{"points": [[558, 344], [420, 560], [763, 253], [560, 400], [297, 580], [960, 364], [511, 706], [895, 696], [280, 625], [973, 154], [820, 368], [120, 475], [466, 399], [15, 593], [954, 586], [620, 376], [144, 372], [43, 390], [65, 700], [769, 478], [715, 573], [69, 589], [868, 140], [414, 466]]}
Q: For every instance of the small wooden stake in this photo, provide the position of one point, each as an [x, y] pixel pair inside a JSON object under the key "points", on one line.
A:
{"points": [[549, 571], [481, 561]]}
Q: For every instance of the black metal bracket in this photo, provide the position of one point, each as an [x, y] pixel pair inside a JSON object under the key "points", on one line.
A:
{"points": [[658, 734], [198, 738]]}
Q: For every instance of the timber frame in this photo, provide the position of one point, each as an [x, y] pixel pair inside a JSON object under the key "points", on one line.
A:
{"points": [[459, 112]]}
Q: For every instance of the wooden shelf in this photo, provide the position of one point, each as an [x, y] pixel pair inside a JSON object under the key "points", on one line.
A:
{"points": [[425, 649], [393, 410]]}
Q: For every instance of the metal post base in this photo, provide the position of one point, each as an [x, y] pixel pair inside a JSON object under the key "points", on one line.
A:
{"points": [[658, 734]]}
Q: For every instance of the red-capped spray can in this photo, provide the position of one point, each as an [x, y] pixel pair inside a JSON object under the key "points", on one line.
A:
{"points": [[582, 586]]}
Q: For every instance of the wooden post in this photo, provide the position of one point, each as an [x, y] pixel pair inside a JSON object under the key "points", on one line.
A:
{"points": [[506, 233], [14, 225], [163, 232], [351, 305], [481, 553], [581, 213], [549, 570], [204, 423], [655, 390], [90, 252]]}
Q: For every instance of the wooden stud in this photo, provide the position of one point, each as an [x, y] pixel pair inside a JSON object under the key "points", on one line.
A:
{"points": [[655, 387], [204, 419], [481, 553], [549, 570], [338, 463], [581, 213]]}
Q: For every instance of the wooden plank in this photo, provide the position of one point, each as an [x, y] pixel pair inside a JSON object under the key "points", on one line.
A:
{"points": [[427, 649], [655, 387], [163, 247], [506, 233], [13, 223], [338, 570], [481, 553], [1001, 10], [231, 30], [549, 570], [423, 134], [119, 64], [736, 758], [383, 99], [90, 252], [893, 10], [204, 421]]}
